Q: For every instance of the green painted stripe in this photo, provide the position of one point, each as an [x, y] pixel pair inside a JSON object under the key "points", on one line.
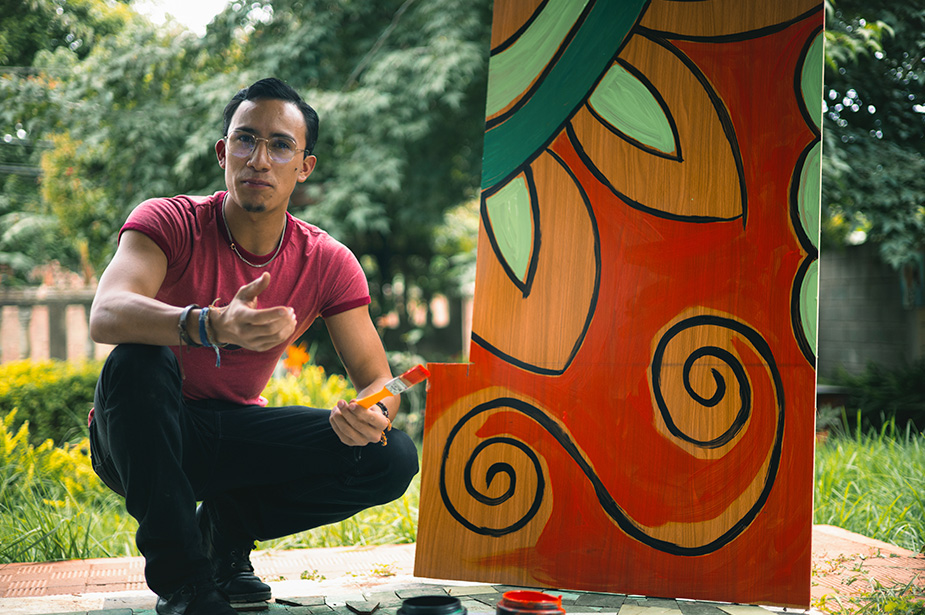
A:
{"points": [[627, 104], [514, 69], [515, 140]]}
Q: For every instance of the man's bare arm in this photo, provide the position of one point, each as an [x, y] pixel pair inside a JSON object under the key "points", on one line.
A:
{"points": [[125, 310], [357, 342]]}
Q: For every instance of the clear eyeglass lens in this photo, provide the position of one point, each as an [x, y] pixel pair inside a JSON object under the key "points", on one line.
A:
{"points": [[243, 146]]}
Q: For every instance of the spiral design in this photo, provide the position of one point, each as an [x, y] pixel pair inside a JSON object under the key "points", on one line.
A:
{"points": [[709, 375], [489, 463]]}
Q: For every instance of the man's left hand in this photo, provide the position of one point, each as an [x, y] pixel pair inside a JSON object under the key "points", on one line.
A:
{"points": [[356, 425]]}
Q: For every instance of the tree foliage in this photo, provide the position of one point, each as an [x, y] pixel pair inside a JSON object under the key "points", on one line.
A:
{"points": [[133, 111], [874, 169]]}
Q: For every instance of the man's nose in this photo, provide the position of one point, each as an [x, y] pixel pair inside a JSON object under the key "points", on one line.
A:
{"points": [[260, 157]]}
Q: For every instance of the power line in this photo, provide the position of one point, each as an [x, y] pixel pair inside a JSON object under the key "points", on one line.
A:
{"points": [[20, 169]]}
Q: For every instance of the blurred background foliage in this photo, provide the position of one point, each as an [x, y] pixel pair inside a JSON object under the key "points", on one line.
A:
{"points": [[100, 109], [874, 127]]}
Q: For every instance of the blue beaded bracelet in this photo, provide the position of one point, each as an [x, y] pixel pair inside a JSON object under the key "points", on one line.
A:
{"points": [[204, 335]]}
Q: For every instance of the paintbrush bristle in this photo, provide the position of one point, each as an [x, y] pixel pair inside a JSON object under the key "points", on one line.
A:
{"points": [[415, 375]]}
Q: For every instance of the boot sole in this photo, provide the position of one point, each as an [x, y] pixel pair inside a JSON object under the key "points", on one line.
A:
{"points": [[244, 598]]}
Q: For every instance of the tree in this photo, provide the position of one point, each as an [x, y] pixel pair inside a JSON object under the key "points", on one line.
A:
{"points": [[30, 26], [400, 89], [30, 32], [399, 85], [874, 114]]}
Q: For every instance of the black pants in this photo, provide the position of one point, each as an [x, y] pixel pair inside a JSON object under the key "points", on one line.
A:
{"points": [[266, 472]]}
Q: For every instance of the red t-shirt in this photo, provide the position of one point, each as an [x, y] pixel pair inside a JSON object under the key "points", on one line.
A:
{"points": [[313, 273]]}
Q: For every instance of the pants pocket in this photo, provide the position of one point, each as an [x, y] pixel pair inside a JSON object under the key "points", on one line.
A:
{"points": [[101, 463]]}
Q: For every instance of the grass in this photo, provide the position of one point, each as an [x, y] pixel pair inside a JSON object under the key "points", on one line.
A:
{"points": [[393, 523], [898, 599], [40, 529], [873, 484], [52, 506]]}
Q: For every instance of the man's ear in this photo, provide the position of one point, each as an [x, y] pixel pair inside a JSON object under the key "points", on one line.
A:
{"points": [[220, 152], [308, 165]]}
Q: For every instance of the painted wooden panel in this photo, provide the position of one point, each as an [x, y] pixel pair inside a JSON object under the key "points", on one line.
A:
{"points": [[637, 415]]}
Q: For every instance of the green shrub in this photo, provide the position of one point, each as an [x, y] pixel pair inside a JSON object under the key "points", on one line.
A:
{"points": [[880, 394], [305, 384], [53, 396], [308, 385], [52, 504]]}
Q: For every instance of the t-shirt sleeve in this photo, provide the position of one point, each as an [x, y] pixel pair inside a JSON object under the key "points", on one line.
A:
{"points": [[347, 285], [165, 223]]}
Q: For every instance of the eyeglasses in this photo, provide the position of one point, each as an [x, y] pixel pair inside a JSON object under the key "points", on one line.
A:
{"points": [[243, 144]]}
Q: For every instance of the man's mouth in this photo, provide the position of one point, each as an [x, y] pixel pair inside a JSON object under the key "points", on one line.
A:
{"points": [[258, 183]]}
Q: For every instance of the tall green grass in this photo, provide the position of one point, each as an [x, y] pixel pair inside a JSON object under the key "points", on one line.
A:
{"points": [[52, 505], [873, 483], [393, 523]]}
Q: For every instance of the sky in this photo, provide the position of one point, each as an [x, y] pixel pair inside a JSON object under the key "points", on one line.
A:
{"points": [[194, 14]]}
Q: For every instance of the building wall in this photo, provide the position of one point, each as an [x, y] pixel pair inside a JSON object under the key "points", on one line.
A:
{"points": [[861, 313]]}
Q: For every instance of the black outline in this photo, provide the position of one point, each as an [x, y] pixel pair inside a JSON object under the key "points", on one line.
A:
{"points": [[553, 134], [592, 307], [519, 32], [798, 84], [795, 222], [796, 321], [728, 130], [745, 392], [608, 504], [732, 38], [525, 285], [566, 41], [540, 478], [661, 103]]}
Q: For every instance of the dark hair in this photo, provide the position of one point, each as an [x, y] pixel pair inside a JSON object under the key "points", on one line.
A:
{"points": [[275, 89]]}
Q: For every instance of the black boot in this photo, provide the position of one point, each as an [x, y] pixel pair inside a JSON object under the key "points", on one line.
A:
{"points": [[231, 564], [192, 600]]}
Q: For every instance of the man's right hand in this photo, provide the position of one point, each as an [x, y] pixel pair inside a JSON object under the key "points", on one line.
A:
{"points": [[242, 323]]}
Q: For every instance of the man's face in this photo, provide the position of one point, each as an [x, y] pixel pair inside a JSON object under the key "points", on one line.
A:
{"points": [[256, 183]]}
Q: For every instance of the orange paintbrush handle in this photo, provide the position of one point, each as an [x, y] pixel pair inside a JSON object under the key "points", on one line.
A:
{"points": [[396, 386], [369, 400]]}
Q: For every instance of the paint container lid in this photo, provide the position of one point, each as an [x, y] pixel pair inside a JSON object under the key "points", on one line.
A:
{"points": [[524, 601], [431, 605]]}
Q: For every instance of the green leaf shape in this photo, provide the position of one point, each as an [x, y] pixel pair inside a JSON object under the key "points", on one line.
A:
{"points": [[626, 103], [809, 193], [809, 304], [514, 141], [811, 80], [512, 224]]}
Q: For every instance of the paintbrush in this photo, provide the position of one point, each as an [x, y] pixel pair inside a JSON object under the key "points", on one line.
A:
{"points": [[397, 386]]}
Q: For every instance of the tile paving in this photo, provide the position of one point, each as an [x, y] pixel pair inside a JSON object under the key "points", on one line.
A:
{"points": [[375, 580]]}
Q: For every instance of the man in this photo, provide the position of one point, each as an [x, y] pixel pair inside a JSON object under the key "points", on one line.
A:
{"points": [[201, 298]]}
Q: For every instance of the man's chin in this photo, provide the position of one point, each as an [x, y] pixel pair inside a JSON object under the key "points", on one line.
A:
{"points": [[254, 208]]}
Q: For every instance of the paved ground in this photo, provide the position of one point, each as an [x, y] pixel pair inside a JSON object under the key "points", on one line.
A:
{"points": [[352, 581]]}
